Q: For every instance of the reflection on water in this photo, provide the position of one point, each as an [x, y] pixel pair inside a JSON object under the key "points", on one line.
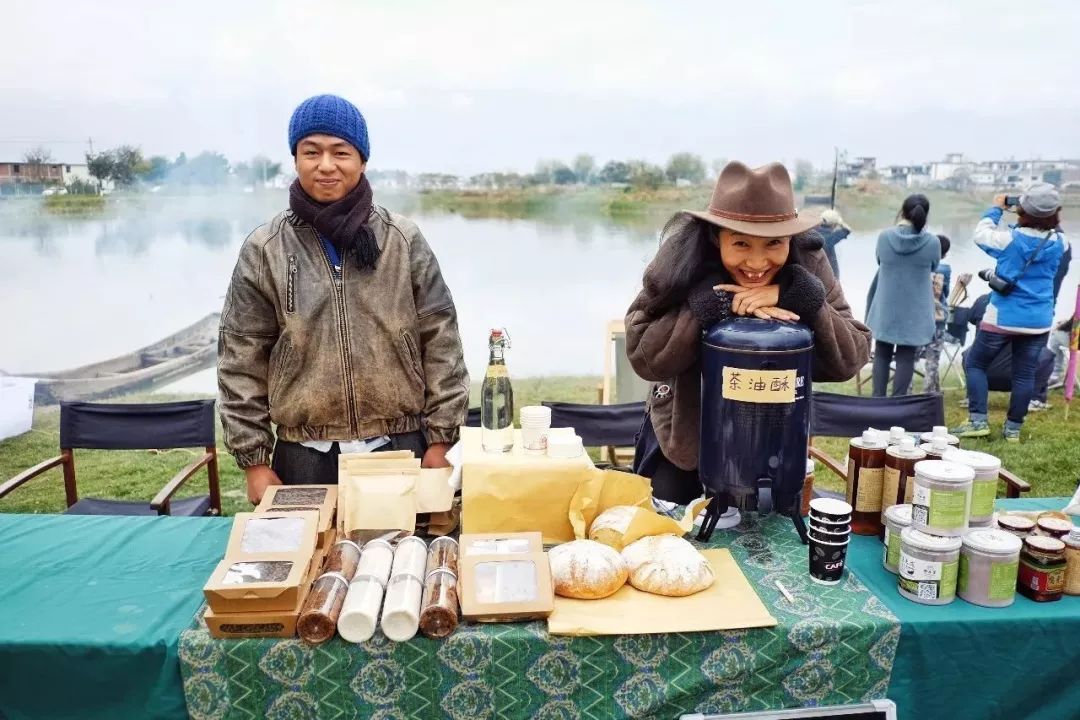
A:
{"points": [[78, 291]]}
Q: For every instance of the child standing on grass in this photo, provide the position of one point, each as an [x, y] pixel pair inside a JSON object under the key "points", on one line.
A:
{"points": [[932, 352]]}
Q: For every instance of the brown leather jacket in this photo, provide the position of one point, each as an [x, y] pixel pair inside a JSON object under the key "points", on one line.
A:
{"points": [[666, 348], [337, 357]]}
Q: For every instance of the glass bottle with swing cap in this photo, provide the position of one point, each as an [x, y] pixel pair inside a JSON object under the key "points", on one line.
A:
{"points": [[497, 397]]}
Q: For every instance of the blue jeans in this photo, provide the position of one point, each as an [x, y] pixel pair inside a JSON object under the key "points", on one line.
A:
{"points": [[1025, 356]]}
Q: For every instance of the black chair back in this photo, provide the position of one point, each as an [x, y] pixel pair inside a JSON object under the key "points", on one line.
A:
{"points": [[834, 415], [473, 418], [105, 426], [600, 425]]}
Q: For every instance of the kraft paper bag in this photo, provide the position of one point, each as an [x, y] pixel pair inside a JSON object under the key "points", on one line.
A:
{"points": [[730, 604], [433, 491], [379, 502]]}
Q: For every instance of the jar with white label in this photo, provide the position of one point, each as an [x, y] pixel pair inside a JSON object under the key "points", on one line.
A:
{"points": [[928, 567], [898, 485], [897, 517], [984, 485], [989, 562], [865, 474], [942, 497]]}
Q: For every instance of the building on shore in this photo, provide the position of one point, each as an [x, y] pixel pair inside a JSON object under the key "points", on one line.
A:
{"points": [[21, 177], [958, 172]]}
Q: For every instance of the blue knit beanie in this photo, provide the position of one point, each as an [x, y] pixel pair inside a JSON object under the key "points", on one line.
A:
{"points": [[330, 115]]}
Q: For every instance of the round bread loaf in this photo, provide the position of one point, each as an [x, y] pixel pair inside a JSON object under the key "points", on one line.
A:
{"points": [[667, 565], [586, 570], [610, 526]]}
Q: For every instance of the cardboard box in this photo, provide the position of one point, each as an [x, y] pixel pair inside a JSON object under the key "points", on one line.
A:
{"points": [[274, 624], [500, 543], [506, 587], [276, 499], [266, 562]]}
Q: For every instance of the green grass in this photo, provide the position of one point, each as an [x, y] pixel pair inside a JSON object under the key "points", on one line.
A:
{"points": [[1049, 457], [139, 475], [74, 204]]}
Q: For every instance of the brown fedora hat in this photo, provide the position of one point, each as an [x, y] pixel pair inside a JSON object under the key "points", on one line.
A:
{"points": [[756, 202]]}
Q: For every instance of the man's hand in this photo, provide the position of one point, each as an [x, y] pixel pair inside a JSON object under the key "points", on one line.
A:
{"points": [[259, 477], [760, 302], [999, 201], [435, 457]]}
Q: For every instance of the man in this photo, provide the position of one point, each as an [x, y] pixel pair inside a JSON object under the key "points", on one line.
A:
{"points": [[337, 326]]}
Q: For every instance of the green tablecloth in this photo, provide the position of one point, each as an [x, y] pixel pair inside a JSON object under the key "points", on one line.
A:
{"points": [[961, 661], [835, 645], [91, 609]]}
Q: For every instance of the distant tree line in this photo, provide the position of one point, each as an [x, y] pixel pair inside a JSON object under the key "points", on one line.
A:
{"points": [[125, 167], [681, 169]]}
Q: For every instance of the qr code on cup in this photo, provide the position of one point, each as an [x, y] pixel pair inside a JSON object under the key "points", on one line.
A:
{"points": [[927, 591], [920, 514]]}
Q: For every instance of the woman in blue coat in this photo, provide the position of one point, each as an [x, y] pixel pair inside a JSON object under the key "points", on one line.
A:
{"points": [[1021, 311], [901, 313]]}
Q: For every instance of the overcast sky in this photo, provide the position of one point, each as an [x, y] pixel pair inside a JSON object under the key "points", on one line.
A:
{"points": [[470, 86]]}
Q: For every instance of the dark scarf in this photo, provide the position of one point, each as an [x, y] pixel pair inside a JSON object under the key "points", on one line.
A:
{"points": [[344, 222]]}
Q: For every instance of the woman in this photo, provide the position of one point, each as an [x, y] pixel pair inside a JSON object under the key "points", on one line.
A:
{"points": [[901, 312], [1021, 310], [749, 254], [832, 229]]}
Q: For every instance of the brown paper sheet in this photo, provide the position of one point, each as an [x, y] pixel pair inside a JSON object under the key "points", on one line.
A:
{"points": [[604, 489], [648, 522], [518, 492], [730, 604]]}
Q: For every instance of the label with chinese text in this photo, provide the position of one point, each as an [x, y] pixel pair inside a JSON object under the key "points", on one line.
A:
{"points": [[759, 386]]}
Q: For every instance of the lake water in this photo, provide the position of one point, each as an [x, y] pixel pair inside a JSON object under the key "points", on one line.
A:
{"points": [[78, 291]]}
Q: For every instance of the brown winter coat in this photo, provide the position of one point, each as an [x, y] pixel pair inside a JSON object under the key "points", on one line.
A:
{"points": [[329, 356], [665, 348]]}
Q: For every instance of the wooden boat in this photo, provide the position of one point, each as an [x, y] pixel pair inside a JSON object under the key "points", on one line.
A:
{"points": [[185, 352]]}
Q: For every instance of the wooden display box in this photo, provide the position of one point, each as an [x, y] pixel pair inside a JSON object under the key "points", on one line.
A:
{"points": [[266, 562], [277, 499], [506, 587], [274, 624]]}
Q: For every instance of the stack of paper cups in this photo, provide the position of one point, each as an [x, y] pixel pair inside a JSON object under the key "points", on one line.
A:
{"points": [[535, 423], [829, 534]]}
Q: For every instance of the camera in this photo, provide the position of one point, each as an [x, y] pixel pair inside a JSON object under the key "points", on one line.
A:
{"points": [[1000, 285], [1012, 201]]}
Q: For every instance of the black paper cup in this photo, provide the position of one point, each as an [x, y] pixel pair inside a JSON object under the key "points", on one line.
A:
{"points": [[827, 560], [830, 510], [832, 528], [828, 537], [844, 521]]}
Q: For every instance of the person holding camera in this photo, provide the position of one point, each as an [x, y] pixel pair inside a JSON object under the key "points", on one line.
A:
{"points": [[1021, 310]]}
